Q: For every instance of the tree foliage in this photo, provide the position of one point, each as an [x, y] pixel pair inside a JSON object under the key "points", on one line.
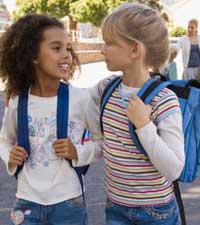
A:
{"points": [[94, 10], [112, 4], [89, 11], [58, 8], [79, 10], [178, 31]]}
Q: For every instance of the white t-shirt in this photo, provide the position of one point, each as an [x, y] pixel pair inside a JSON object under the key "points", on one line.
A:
{"points": [[45, 178]]}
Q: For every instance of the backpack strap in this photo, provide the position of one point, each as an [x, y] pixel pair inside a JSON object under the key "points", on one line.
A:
{"points": [[62, 125], [107, 92], [179, 201], [22, 125], [62, 111], [148, 91]]}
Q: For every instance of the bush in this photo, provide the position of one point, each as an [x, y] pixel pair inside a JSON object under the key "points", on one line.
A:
{"points": [[177, 31]]}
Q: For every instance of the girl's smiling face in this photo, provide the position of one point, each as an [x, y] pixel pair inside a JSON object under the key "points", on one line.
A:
{"points": [[54, 57]]}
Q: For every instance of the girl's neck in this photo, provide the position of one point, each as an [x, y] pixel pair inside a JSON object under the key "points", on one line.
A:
{"points": [[135, 78], [45, 88]]}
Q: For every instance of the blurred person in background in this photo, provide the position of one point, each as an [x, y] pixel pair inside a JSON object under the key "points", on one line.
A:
{"points": [[189, 44]]}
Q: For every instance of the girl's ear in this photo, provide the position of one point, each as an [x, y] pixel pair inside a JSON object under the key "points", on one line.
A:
{"points": [[137, 49]]}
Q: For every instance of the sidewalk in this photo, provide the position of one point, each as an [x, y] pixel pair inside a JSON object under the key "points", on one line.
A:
{"points": [[95, 197]]}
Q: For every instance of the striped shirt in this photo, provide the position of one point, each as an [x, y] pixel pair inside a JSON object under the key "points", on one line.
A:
{"points": [[130, 177]]}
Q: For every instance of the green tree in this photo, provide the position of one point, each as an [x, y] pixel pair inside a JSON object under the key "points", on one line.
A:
{"points": [[153, 3], [78, 10], [95, 10], [178, 31], [57, 8], [89, 11]]}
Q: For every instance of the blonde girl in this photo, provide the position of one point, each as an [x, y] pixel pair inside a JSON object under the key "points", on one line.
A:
{"points": [[139, 186]]}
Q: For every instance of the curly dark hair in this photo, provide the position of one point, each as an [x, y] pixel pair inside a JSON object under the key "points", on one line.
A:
{"points": [[18, 49]]}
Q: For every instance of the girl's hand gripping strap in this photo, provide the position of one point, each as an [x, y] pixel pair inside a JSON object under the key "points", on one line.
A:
{"points": [[147, 92]]}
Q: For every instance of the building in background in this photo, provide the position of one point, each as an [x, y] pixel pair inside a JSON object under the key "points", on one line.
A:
{"points": [[4, 17], [182, 10]]}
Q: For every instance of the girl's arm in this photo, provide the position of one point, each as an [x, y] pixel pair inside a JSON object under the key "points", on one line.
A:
{"points": [[90, 151], [164, 143], [8, 134]]}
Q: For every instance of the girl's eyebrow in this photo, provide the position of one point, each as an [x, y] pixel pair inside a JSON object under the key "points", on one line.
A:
{"points": [[60, 43], [55, 42]]}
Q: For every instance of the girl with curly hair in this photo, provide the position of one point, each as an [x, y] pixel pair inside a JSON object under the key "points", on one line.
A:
{"points": [[35, 54]]}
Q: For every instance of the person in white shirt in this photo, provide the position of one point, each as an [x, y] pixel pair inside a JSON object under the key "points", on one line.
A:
{"points": [[190, 46], [35, 54]]}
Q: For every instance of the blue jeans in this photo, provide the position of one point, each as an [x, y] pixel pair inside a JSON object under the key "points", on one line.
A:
{"points": [[167, 214], [70, 212]]}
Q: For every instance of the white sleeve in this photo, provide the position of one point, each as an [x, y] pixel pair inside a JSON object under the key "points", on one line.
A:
{"points": [[90, 151], [8, 133], [164, 145]]}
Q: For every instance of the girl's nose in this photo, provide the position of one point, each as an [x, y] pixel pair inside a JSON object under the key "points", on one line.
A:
{"points": [[103, 49], [66, 53]]}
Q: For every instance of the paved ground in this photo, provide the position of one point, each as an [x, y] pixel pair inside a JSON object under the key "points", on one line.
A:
{"points": [[95, 197]]}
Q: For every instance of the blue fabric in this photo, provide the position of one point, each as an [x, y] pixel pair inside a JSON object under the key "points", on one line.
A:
{"points": [[191, 109], [62, 111], [194, 59], [173, 71], [22, 123], [70, 212], [170, 71], [166, 214]]}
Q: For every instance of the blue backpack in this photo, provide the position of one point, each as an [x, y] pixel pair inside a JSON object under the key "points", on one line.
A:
{"points": [[188, 92], [62, 125]]}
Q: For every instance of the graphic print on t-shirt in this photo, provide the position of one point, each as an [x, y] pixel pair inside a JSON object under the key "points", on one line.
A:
{"points": [[42, 133]]}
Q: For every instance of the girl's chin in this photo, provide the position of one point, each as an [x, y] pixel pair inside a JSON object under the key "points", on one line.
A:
{"points": [[64, 77], [111, 68]]}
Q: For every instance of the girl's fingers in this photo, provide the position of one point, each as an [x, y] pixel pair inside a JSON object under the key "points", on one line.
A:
{"points": [[20, 154], [60, 150], [61, 145], [60, 141], [61, 153], [16, 160], [15, 157], [19, 149]]}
